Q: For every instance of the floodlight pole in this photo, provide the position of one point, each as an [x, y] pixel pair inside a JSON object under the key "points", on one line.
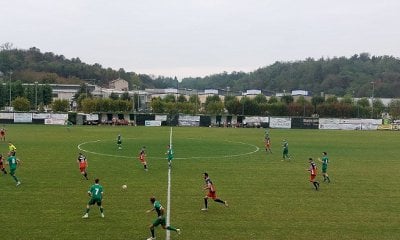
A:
{"points": [[372, 99], [10, 89]]}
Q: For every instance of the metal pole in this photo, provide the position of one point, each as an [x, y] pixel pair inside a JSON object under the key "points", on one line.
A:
{"points": [[372, 99], [36, 85], [10, 88]]}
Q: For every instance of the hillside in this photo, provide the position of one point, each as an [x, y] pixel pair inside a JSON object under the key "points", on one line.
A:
{"points": [[339, 75]]}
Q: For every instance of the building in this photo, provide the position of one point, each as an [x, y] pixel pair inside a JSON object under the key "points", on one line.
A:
{"points": [[119, 84]]}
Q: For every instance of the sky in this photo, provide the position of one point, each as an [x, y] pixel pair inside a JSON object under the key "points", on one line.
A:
{"points": [[196, 38]]}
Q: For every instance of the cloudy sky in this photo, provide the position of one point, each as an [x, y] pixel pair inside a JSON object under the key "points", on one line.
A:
{"points": [[195, 38]]}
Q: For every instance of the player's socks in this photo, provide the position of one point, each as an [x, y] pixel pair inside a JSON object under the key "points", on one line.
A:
{"points": [[86, 176], [328, 179], [219, 200], [315, 185], [171, 228], [205, 203], [101, 210], [87, 210], [15, 178], [152, 233]]}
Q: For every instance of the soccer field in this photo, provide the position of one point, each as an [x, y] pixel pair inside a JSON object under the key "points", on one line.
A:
{"points": [[268, 198]]}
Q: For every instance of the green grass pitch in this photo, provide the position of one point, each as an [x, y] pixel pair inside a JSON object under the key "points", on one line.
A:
{"points": [[268, 198]]}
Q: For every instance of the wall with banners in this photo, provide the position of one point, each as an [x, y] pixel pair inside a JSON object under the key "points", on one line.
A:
{"points": [[304, 123], [207, 121], [349, 124]]}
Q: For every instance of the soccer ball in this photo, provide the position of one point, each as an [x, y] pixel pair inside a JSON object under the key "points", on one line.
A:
{"points": [[124, 186]]}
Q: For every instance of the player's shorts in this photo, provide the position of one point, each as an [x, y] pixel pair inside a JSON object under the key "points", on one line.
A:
{"points": [[285, 151], [212, 195], [1, 165], [324, 169], [82, 169], [2, 134], [94, 201], [159, 221], [12, 171], [312, 178], [119, 142]]}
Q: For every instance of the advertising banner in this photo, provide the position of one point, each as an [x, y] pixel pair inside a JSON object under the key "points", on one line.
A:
{"points": [[22, 117], [152, 123], [275, 122]]}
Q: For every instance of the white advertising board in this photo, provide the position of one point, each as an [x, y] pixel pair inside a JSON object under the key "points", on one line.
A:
{"points": [[161, 118], [6, 115], [22, 117], [152, 123], [275, 122]]}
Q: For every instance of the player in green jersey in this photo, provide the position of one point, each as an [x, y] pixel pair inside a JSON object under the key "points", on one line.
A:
{"points": [[170, 155], [96, 196], [119, 141], [12, 149], [160, 218], [325, 161], [13, 162], [285, 152]]}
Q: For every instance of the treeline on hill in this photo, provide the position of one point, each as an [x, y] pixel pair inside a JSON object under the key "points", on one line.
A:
{"points": [[31, 66], [337, 76]]}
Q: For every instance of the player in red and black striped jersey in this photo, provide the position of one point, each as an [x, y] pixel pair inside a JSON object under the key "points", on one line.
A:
{"points": [[83, 164], [142, 157], [2, 168], [212, 193], [313, 173]]}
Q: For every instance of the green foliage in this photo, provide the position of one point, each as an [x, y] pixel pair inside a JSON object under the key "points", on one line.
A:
{"points": [[181, 98], [157, 105], [170, 98], [21, 104], [60, 105], [287, 99], [394, 109], [114, 96]]}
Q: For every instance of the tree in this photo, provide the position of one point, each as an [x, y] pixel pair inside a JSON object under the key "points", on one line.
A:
{"points": [[170, 98], [379, 108], [394, 109], [125, 96], [363, 102], [21, 104], [260, 98], [60, 105], [157, 105], [287, 99], [181, 98], [114, 96]]}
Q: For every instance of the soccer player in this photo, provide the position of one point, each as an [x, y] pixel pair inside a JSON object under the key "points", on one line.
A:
{"points": [[13, 162], [3, 134], [2, 168], [313, 173], [96, 196], [83, 164], [285, 152], [170, 154], [12, 149], [142, 157], [325, 161], [119, 141], [267, 142], [211, 193], [160, 218]]}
